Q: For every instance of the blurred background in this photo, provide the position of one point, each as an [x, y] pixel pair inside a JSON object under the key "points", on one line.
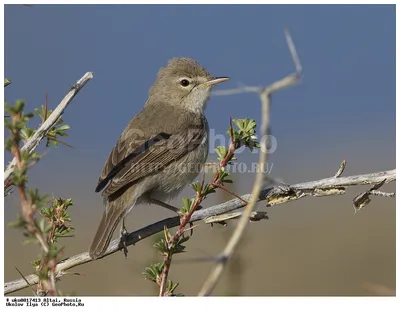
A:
{"points": [[344, 108]]}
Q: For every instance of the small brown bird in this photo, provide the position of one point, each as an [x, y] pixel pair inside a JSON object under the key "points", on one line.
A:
{"points": [[161, 149]]}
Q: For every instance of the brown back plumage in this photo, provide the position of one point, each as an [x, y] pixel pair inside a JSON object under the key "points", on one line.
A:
{"points": [[143, 150]]}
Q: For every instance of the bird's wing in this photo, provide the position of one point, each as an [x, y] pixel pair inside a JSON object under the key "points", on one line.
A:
{"points": [[140, 152]]}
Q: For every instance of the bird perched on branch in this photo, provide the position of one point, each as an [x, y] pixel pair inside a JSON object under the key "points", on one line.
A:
{"points": [[160, 151]]}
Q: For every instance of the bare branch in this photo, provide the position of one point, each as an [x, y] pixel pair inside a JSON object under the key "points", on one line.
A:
{"points": [[237, 235], [382, 193], [363, 199], [34, 141], [303, 189], [222, 218], [23, 277], [235, 91], [341, 169], [286, 82], [293, 52]]}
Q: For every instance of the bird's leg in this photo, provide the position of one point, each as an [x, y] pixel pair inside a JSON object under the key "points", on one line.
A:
{"points": [[123, 237], [165, 205], [124, 231]]}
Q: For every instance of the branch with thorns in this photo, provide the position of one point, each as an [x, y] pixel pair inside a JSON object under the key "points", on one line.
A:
{"points": [[39, 221], [244, 135], [53, 223]]}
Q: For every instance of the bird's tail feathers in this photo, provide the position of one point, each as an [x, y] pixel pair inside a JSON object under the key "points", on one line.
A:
{"points": [[109, 221]]}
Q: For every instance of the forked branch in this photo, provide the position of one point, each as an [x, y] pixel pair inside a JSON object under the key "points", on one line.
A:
{"points": [[37, 137], [265, 97]]}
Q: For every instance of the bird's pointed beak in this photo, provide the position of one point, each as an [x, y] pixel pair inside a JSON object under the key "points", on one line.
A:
{"points": [[215, 81]]}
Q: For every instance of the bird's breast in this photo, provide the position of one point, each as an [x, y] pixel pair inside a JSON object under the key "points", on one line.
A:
{"points": [[182, 172]]}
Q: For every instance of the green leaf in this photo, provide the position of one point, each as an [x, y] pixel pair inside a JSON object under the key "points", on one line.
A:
{"points": [[153, 272], [19, 106], [44, 226], [196, 186], [171, 286], [8, 144], [222, 176], [177, 248], [209, 189], [162, 246], [183, 239], [221, 151], [187, 205], [39, 112], [6, 82], [63, 127], [238, 122], [19, 223], [36, 198], [26, 132], [54, 251], [246, 133]]}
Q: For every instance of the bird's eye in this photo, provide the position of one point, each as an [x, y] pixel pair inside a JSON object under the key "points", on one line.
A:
{"points": [[184, 82]]}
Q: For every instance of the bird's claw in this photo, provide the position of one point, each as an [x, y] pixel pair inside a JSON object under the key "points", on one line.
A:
{"points": [[123, 238]]}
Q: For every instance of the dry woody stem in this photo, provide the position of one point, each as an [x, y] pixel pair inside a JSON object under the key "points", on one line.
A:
{"points": [[215, 183], [46, 286], [265, 97], [291, 193], [27, 209], [34, 141]]}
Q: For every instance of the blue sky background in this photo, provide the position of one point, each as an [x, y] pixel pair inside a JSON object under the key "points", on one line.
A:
{"points": [[343, 109]]}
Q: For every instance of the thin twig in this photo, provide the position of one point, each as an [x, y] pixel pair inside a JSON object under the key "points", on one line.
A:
{"points": [[341, 169], [220, 186], [34, 141], [237, 235], [185, 219], [382, 193], [238, 90], [28, 210], [222, 218], [23, 277], [301, 189], [293, 52], [168, 258], [363, 199]]}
